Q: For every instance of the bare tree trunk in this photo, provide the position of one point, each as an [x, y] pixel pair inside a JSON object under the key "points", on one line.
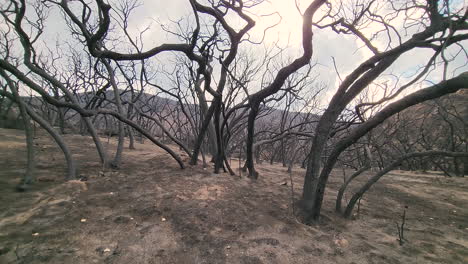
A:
{"points": [[30, 167], [61, 120], [201, 134], [311, 187], [273, 154], [465, 167], [465, 162], [120, 145], [283, 153], [228, 166], [253, 174], [204, 111], [456, 167], [258, 160], [131, 144], [97, 141], [203, 158], [219, 158], [293, 158], [83, 128], [60, 115], [339, 197]]}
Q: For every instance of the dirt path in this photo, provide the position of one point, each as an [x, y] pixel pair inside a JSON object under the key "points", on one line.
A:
{"points": [[152, 212]]}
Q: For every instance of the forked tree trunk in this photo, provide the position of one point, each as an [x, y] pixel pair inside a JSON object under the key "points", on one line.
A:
{"points": [[71, 171], [341, 191], [314, 186], [211, 145], [316, 179], [201, 134]]}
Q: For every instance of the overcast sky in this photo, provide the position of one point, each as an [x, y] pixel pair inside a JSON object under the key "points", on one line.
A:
{"points": [[346, 50]]}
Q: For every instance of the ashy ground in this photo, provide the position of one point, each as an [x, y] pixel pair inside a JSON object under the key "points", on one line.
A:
{"points": [[150, 211]]}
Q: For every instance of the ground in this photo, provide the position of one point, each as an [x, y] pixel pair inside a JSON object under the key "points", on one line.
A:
{"points": [[150, 211]]}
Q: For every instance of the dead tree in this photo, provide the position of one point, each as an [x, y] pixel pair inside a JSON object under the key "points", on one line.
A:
{"points": [[432, 22], [377, 176]]}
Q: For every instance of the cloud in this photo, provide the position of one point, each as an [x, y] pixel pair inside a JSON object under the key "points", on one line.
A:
{"points": [[348, 51]]}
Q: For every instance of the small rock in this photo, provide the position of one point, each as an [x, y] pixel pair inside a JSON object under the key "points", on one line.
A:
{"points": [[343, 243], [167, 196], [163, 219], [83, 178], [107, 250], [35, 234], [83, 220], [228, 247]]}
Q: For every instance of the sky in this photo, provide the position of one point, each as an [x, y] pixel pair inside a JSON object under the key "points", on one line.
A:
{"points": [[347, 51]]}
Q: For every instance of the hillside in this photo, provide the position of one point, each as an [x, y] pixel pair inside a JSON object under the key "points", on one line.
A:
{"points": [[165, 106], [152, 212]]}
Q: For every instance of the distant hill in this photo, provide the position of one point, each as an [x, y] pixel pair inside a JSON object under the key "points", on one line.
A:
{"points": [[268, 116]]}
